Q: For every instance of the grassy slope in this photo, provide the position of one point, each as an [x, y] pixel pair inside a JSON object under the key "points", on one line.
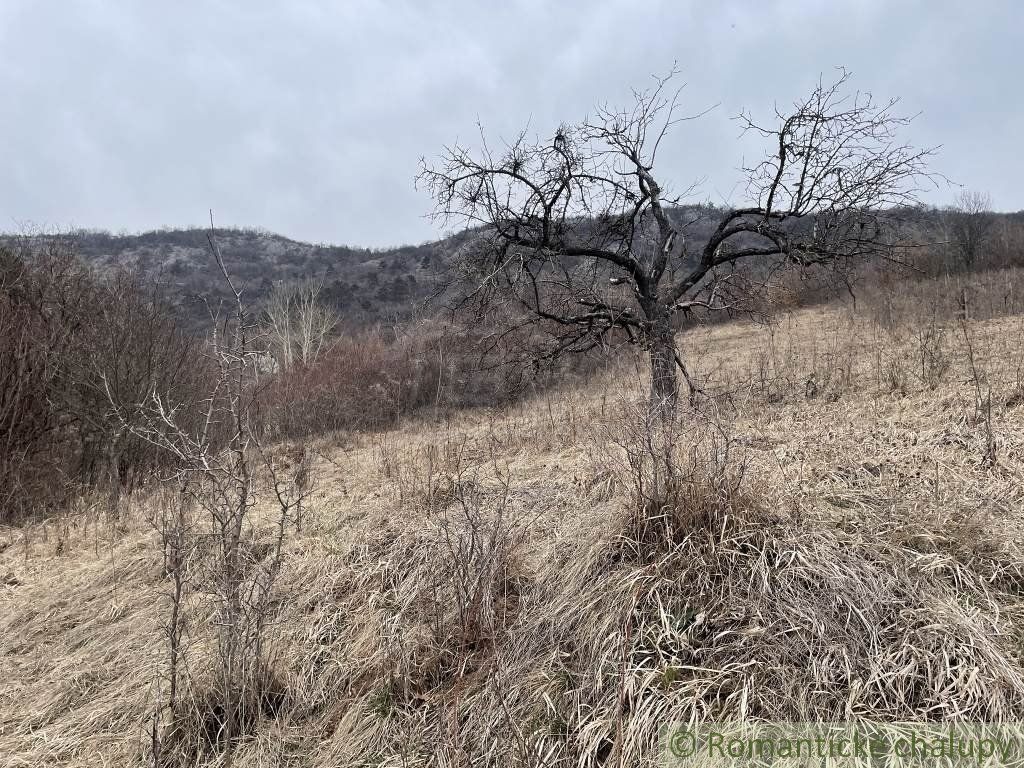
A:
{"points": [[869, 566]]}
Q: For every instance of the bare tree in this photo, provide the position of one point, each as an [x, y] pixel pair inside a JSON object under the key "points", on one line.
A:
{"points": [[583, 238], [971, 226], [217, 458], [298, 323]]}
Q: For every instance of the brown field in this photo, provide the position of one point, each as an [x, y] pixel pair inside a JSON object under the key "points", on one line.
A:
{"points": [[479, 589]]}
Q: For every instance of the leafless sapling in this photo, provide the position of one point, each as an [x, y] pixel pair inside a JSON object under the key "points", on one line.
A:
{"points": [[217, 458]]}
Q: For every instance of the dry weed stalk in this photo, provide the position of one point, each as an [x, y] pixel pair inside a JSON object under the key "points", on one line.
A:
{"points": [[982, 396], [478, 561]]}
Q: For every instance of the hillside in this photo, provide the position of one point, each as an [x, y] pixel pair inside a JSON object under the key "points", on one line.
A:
{"points": [[364, 285], [373, 285], [853, 550]]}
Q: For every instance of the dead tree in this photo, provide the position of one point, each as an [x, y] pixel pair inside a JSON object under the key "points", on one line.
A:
{"points": [[581, 236]]}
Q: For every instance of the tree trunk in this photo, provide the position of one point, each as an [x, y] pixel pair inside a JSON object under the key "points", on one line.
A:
{"points": [[664, 380], [664, 398]]}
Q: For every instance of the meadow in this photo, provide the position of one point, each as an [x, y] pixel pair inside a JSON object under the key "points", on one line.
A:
{"points": [[495, 586]]}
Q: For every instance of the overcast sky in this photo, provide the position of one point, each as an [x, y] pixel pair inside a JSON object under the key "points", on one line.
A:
{"points": [[308, 118]]}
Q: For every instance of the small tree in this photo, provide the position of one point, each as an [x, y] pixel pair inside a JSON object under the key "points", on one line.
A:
{"points": [[217, 457], [971, 220], [582, 236], [298, 323]]}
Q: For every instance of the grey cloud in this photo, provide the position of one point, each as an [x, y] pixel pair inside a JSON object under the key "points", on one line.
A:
{"points": [[308, 118]]}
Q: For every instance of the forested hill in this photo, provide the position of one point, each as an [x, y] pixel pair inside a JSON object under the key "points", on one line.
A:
{"points": [[372, 285], [366, 285]]}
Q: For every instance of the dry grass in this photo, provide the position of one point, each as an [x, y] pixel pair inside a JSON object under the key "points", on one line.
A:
{"points": [[479, 592]]}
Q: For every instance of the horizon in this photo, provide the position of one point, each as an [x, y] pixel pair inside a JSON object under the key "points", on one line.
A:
{"points": [[256, 229]]}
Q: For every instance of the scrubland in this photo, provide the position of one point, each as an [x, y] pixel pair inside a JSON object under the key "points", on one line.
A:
{"points": [[495, 586]]}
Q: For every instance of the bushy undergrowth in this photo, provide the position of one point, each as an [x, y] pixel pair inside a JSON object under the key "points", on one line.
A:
{"points": [[71, 342], [372, 379]]}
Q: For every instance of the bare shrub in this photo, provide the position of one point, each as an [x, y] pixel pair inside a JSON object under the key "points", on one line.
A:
{"points": [[932, 351], [429, 477], [71, 339], [217, 462], [697, 481], [371, 379], [982, 395], [178, 533], [832, 368], [477, 571], [362, 382], [892, 372]]}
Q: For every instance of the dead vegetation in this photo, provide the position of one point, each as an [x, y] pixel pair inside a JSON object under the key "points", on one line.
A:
{"points": [[842, 541]]}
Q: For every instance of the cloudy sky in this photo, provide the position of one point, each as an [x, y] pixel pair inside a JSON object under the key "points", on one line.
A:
{"points": [[308, 118]]}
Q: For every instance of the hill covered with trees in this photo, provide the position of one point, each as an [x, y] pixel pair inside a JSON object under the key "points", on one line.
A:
{"points": [[372, 285]]}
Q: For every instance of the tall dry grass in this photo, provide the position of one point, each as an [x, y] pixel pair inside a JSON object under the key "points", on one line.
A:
{"points": [[499, 588]]}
